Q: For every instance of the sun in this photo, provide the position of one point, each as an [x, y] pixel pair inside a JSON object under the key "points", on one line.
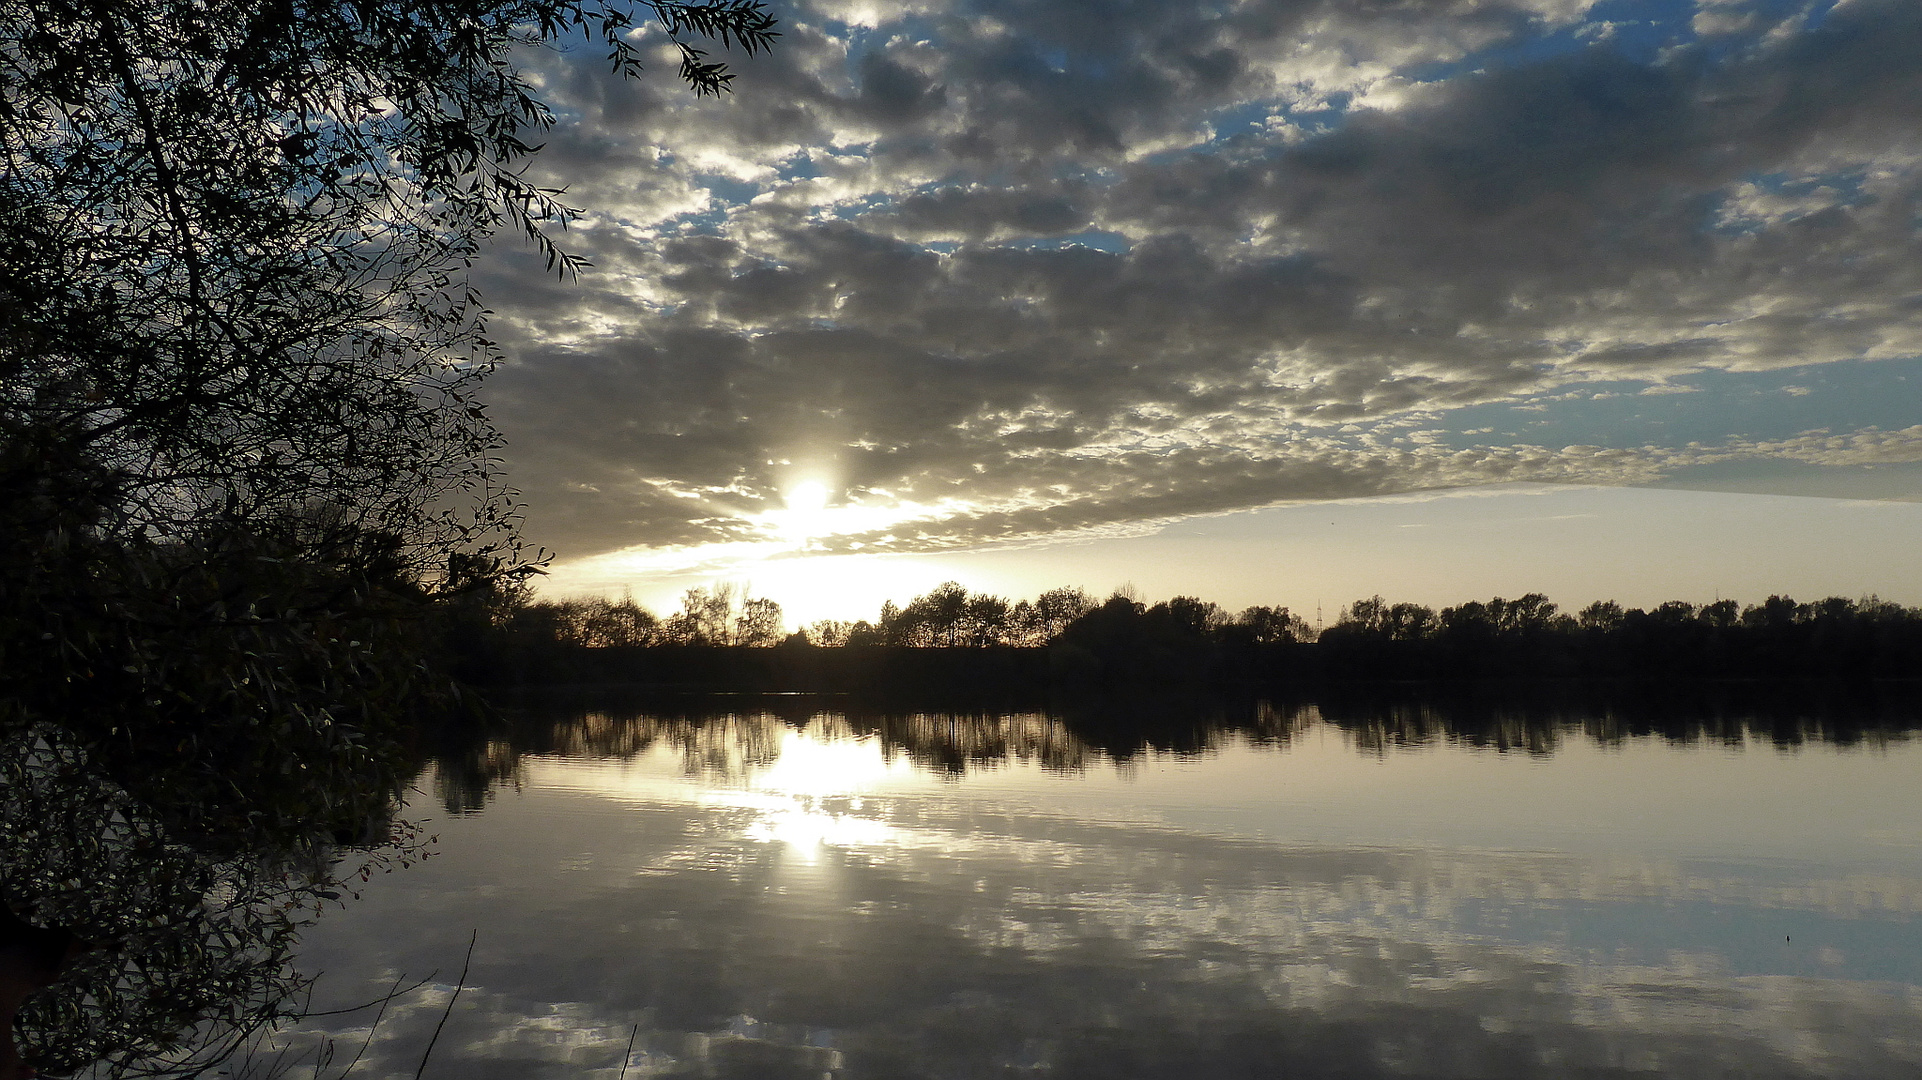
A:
{"points": [[805, 515], [807, 497]]}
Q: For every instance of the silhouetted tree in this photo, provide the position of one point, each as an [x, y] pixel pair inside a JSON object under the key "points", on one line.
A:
{"points": [[241, 451], [1273, 626], [599, 623], [1408, 622], [1364, 617], [239, 442], [1191, 641], [1055, 609], [1190, 616], [936, 618], [704, 617], [1774, 613], [829, 633], [1601, 617], [758, 624], [1123, 641], [233, 243], [888, 628], [1721, 614]]}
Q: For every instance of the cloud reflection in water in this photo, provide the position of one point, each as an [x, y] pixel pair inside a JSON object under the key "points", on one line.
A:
{"points": [[1032, 923]]}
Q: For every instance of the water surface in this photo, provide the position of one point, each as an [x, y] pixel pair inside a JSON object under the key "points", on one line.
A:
{"points": [[742, 892]]}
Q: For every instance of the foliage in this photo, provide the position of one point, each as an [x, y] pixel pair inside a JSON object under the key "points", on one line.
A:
{"points": [[758, 624], [187, 732], [242, 460], [1189, 640], [951, 616], [1832, 638], [181, 941], [829, 633], [234, 240], [721, 615], [948, 616], [239, 442], [1262, 625], [249, 686]]}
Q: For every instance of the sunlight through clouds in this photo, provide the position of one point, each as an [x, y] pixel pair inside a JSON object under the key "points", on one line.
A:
{"points": [[944, 275], [810, 513], [806, 514]]}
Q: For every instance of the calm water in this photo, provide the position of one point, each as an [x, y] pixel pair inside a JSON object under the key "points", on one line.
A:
{"points": [[745, 895]]}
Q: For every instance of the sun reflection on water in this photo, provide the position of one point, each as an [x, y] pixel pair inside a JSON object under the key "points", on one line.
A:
{"points": [[811, 795], [823, 768], [806, 830]]}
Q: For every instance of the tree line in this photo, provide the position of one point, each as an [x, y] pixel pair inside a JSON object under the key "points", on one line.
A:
{"points": [[948, 616], [1071, 637]]}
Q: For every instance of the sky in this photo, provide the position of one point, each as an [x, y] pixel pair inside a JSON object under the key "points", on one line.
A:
{"points": [[1277, 301]]}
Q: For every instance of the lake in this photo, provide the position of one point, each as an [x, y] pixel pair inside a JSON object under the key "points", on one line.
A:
{"points": [[794, 888]]}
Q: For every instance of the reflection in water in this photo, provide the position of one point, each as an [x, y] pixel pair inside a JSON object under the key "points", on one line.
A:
{"points": [[726, 737], [150, 956], [1360, 885], [724, 745], [799, 888]]}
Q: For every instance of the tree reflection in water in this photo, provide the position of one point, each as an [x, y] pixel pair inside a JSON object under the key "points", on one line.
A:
{"points": [[1232, 913], [170, 956], [730, 735], [181, 948]]}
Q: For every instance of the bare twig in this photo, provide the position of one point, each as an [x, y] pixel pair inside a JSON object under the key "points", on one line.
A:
{"points": [[455, 996], [629, 1054], [368, 1041]]}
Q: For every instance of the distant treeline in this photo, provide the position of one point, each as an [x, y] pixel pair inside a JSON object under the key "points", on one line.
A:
{"points": [[951, 636]]}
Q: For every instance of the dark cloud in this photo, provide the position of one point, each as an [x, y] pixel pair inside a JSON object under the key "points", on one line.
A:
{"points": [[1069, 265]]}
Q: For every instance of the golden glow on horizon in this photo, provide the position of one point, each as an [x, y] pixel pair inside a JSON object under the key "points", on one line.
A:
{"points": [[784, 562], [1576, 544], [845, 587], [808, 587]]}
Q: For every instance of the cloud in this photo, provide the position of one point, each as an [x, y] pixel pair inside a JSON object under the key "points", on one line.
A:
{"points": [[1871, 446], [1068, 266]]}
